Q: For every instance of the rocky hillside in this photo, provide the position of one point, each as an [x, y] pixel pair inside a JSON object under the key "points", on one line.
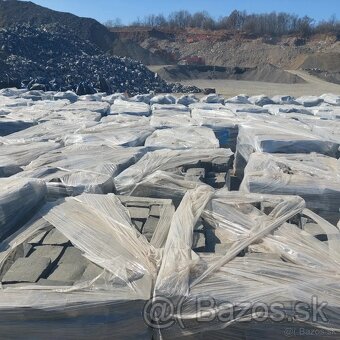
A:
{"points": [[227, 49], [15, 12]]}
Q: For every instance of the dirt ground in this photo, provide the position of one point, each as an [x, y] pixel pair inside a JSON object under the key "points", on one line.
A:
{"points": [[230, 88]]}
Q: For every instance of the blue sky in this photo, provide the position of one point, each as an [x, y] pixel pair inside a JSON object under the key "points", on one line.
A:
{"points": [[129, 10]]}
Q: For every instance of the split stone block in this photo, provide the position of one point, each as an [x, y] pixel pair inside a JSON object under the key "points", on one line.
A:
{"points": [[139, 213], [55, 237], [70, 272], [27, 269], [155, 210], [198, 244], [38, 239], [138, 225], [73, 255], [51, 252], [150, 226]]}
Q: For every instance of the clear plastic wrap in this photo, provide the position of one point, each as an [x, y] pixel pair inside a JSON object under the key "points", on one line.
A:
{"points": [[224, 124], [14, 157], [54, 130], [169, 108], [9, 125], [19, 199], [170, 121], [274, 137], [72, 170], [130, 133], [107, 302], [130, 108], [162, 184], [183, 137], [168, 160], [331, 98], [314, 177], [267, 267]]}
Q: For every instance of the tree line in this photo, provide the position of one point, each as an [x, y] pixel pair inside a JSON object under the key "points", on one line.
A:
{"points": [[275, 24]]}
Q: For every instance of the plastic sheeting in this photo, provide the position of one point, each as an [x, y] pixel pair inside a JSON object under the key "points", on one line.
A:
{"points": [[82, 168], [269, 261], [287, 137], [54, 130], [131, 133], [183, 137], [19, 198], [168, 160], [223, 123], [130, 108], [314, 177], [109, 303], [14, 157]]}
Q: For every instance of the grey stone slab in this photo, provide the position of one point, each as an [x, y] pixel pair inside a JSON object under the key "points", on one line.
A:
{"points": [[55, 237], [73, 255], [52, 252], [150, 226], [21, 251], [38, 239], [139, 213], [27, 269], [138, 225], [198, 244], [70, 272], [91, 272], [155, 210]]}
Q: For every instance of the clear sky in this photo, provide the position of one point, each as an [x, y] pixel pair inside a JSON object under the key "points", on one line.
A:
{"points": [[130, 10]]}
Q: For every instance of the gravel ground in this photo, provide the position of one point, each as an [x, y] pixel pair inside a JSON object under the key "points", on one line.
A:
{"points": [[229, 88]]}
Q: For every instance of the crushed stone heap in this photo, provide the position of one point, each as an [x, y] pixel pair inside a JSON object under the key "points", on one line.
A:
{"points": [[51, 57]]}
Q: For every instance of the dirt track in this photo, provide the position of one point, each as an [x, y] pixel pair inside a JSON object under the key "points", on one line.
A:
{"points": [[229, 88]]}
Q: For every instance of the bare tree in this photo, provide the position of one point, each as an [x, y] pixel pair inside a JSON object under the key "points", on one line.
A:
{"points": [[117, 22]]}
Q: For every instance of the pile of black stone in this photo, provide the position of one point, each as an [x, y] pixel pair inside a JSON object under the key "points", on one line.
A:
{"points": [[52, 58]]}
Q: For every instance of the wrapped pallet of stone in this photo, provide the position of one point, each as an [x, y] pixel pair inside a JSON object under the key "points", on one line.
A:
{"points": [[171, 121], [174, 162], [165, 185], [54, 130], [19, 199], [78, 268], [78, 168], [183, 138], [314, 177], [163, 109], [129, 108], [13, 157], [235, 266], [9, 125], [279, 137], [130, 133], [172, 115], [224, 124]]}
